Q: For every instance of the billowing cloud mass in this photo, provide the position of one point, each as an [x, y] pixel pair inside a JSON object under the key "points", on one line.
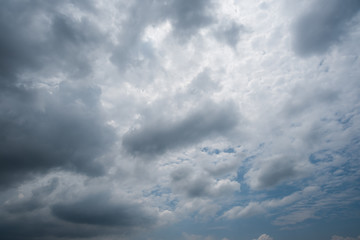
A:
{"points": [[179, 119]]}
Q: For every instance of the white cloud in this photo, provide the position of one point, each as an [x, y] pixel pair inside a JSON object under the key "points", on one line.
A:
{"points": [[264, 237]]}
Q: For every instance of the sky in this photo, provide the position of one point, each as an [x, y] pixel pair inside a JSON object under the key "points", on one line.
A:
{"points": [[180, 119]]}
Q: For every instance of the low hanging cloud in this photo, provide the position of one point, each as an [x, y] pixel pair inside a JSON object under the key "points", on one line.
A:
{"points": [[29, 121], [210, 120], [97, 210], [43, 127]]}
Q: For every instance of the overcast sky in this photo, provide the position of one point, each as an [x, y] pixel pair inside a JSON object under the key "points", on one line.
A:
{"points": [[180, 119]]}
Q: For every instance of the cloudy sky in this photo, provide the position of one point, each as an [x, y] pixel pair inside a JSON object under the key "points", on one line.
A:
{"points": [[180, 119]]}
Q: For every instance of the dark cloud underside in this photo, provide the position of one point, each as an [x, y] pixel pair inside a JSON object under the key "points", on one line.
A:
{"points": [[209, 121], [323, 25], [42, 131], [97, 210]]}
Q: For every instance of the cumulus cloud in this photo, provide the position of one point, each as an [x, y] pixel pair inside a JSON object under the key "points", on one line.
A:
{"points": [[273, 171], [322, 25], [30, 118], [210, 120], [147, 119], [255, 208], [201, 185], [31, 115]]}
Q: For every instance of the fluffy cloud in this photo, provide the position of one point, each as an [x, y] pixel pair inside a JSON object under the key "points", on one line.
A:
{"points": [[147, 119], [273, 171], [255, 208]]}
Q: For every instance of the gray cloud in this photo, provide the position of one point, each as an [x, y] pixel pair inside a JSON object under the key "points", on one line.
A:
{"points": [[39, 37], [302, 100], [98, 210], [201, 185], [35, 202], [183, 180], [30, 121], [323, 25], [273, 171], [186, 16], [209, 120], [89, 89], [85, 215], [229, 33], [45, 127], [203, 84]]}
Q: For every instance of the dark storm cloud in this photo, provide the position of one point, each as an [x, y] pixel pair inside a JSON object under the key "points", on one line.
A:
{"points": [[86, 216], [40, 129], [35, 202], [41, 132], [98, 210], [40, 226], [323, 25], [210, 120]]}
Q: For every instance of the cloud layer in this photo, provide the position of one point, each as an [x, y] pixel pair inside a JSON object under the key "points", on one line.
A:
{"points": [[178, 119]]}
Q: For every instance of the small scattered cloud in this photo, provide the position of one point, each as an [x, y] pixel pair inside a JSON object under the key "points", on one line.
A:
{"points": [[336, 237], [264, 237]]}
